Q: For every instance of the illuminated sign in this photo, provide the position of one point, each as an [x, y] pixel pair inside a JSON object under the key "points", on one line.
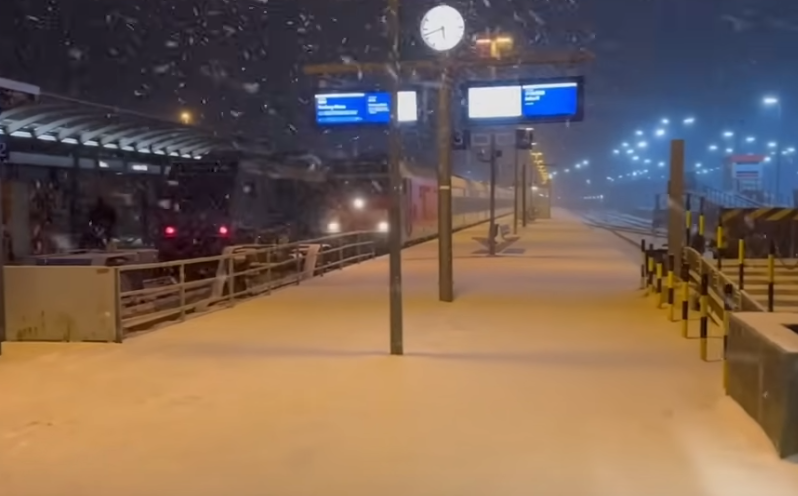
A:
{"points": [[559, 100], [364, 108]]}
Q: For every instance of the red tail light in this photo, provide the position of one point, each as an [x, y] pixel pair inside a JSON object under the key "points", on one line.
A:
{"points": [[170, 231], [223, 231]]}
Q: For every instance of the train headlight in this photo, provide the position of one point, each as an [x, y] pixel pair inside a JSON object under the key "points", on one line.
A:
{"points": [[359, 203], [334, 227], [382, 226]]}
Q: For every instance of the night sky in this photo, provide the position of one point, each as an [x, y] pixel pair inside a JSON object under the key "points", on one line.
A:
{"points": [[236, 63]]}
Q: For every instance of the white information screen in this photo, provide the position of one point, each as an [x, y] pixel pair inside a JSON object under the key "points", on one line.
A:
{"points": [[408, 106], [494, 102]]}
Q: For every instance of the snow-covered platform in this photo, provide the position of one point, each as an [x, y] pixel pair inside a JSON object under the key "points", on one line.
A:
{"points": [[550, 375]]}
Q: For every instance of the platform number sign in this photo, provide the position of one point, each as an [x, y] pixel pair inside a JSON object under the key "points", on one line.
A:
{"points": [[524, 139], [461, 140]]}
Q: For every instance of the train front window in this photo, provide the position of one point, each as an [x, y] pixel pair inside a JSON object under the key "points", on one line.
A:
{"points": [[200, 189], [362, 194]]}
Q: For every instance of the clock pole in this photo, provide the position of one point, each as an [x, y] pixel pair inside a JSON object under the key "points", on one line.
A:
{"points": [[445, 255], [395, 213]]}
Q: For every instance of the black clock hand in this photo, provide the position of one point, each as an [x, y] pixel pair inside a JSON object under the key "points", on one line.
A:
{"points": [[427, 33]]}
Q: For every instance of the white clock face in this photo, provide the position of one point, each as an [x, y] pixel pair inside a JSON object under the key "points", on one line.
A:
{"points": [[442, 28]]}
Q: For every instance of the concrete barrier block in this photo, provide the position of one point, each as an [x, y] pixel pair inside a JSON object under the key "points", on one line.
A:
{"points": [[762, 358]]}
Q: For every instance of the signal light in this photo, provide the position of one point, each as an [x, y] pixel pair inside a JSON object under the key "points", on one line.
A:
{"points": [[223, 231], [170, 231]]}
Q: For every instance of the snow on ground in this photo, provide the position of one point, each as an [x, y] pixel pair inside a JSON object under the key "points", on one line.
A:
{"points": [[550, 375]]}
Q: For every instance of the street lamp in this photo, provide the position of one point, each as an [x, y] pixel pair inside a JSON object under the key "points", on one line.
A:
{"points": [[185, 117], [494, 46]]}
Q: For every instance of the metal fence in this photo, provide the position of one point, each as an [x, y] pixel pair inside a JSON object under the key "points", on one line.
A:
{"points": [[151, 294], [718, 282]]}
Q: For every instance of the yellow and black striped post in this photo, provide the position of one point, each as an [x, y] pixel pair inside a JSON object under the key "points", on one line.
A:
{"points": [[685, 299], [688, 221], [704, 322], [741, 263], [644, 265], [670, 283], [650, 268], [771, 275], [701, 226], [727, 310], [658, 290], [719, 245]]}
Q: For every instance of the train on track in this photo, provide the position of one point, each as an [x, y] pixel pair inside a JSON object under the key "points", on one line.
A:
{"points": [[208, 205], [360, 203]]}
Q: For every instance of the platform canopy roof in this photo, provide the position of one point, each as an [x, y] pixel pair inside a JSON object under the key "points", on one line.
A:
{"points": [[69, 121]]}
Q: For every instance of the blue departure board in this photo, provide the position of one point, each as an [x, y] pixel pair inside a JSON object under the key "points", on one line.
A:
{"points": [[526, 102], [363, 108]]}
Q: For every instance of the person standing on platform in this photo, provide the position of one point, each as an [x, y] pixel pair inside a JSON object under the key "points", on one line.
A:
{"points": [[102, 222]]}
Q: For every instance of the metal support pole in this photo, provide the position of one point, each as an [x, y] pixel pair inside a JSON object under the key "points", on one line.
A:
{"points": [[75, 223], [676, 220], [445, 264], [525, 191], [395, 213], [493, 231], [3, 227], [780, 139], [516, 184]]}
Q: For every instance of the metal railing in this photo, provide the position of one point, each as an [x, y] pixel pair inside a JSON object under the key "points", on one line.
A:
{"points": [[718, 282], [150, 294]]}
